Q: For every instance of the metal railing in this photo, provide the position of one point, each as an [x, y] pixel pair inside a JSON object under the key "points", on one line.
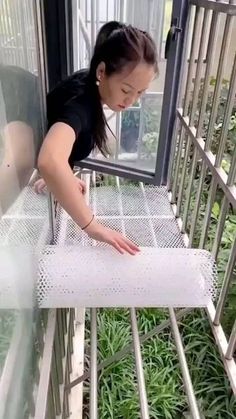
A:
{"points": [[52, 398], [198, 157], [195, 164]]}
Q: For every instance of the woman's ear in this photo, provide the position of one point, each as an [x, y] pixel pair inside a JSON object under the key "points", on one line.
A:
{"points": [[100, 72]]}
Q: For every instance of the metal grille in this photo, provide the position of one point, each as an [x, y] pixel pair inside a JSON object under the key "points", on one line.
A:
{"points": [[127, 210], [204, 153], [26, 222]]}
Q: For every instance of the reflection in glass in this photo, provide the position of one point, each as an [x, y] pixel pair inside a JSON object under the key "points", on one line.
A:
{"points": [[23, 214]]}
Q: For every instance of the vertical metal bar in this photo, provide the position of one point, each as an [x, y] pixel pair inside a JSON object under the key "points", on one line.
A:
{"points": [[8, 32], [97, 16], [123, 10], [197, 23], [173, 157], [93, 19], [197, 204], [210, 57], [107, 10], [139, 367], [205, 26], [141, 125], [55, 383], [58, 355], [85, 34], [211, 53], [41, 402], [115, 10], [50, 414], [193, 53], [70, 342], [24, 38], [172, 77], [132, 14], [60, 331], [118, 134], [227, 115], [206, 221], [186, 376], [66, 407], [136, 343], [150, 15], [93, 410], [64, 320], [93, 401], [220, 227], [27, 24], [183, 136], [232, 170], [184, 367], [13, 13], [200, 57], [226, 284], [220, 71], [232, 343]]}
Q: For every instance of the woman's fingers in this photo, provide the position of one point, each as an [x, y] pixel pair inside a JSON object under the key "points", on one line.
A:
{"points": [[125, 244], [127, 247], [132, 245], [116, 245], [104, 234], [39, 186]]}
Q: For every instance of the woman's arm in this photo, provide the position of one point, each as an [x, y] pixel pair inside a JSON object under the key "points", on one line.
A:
{"points": [[54, 168]]}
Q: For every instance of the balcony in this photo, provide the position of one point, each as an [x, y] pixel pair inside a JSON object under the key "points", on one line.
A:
{"points": [[69, 350]]}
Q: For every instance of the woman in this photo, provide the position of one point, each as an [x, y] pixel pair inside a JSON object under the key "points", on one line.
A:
{"points": [[123, 65]]}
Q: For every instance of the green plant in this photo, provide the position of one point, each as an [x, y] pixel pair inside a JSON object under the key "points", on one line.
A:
{"points": [[218, 123], [149, 144]]}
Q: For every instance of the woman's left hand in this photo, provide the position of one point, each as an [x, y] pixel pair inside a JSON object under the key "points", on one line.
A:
{"points": [[41, 187]]}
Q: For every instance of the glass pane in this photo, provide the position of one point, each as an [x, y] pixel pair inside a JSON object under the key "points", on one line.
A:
{"points": [[137, 129], [23, 214]]}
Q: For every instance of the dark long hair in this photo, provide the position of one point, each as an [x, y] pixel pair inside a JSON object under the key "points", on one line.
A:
{"points": [[118, 46]]}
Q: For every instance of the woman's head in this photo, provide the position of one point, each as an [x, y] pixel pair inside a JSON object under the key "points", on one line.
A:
{"points": [[123, 64]]}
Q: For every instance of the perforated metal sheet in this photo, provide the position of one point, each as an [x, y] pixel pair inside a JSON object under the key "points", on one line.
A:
{"points": [[123, 280], [143, 216], [62, 275], [26, 221]]}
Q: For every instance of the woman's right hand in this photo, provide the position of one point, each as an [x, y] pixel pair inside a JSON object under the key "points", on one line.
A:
{"points": [[104, 234]]}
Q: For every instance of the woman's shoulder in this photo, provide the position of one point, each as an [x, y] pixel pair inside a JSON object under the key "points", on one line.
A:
{"points": [[71, 87], [69, 102], [69, 92], [77, 80]]}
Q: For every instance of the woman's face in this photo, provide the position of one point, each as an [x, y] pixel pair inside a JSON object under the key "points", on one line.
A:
{"points": [[121, 90]]}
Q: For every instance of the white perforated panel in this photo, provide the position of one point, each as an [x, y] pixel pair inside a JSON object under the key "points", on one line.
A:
{"points": [[155, 277], [26, 221], [144, 216], [73, 272]]}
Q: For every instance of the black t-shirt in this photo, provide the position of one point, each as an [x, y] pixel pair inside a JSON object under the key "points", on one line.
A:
{"points": [[70, 102]]}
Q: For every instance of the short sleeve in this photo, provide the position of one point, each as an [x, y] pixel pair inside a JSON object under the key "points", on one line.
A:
{"points": [[72, 114]]}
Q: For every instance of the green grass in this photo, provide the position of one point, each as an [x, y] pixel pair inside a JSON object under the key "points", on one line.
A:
{"points": [[118, 397], [7, 322]]}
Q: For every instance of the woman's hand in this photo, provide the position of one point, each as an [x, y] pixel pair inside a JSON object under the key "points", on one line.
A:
{"points": [[104, 234], [41, 187]]}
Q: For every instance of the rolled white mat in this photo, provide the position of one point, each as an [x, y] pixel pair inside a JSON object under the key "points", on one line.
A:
{"points": [[72, 276]]}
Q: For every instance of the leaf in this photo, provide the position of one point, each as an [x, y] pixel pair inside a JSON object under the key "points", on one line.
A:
{"points": [[216, 210]]}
